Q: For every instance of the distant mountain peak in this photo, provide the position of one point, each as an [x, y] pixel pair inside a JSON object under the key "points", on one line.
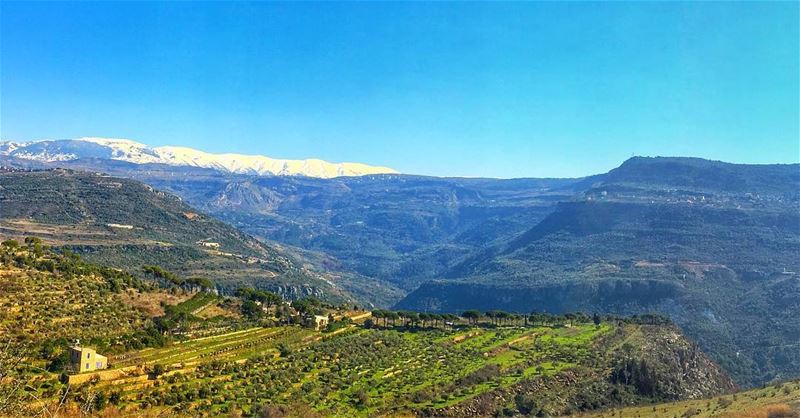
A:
{"points": [[138, 153]]}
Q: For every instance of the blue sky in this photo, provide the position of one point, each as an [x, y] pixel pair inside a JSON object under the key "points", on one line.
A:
{"points": [[475, 89]]}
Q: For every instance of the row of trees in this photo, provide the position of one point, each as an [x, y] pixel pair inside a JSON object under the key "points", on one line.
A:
{"points": [[412, 318], [500, 318], [473, 317], [266, 298], [256, 303]]}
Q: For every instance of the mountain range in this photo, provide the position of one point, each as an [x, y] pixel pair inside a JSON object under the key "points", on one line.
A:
{"points": [[126, 224], [130, 151], [712, 245]]}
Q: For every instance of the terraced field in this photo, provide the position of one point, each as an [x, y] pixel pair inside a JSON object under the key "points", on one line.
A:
{"points": [[352, 372], [35, 305], [231, 362], [232, 346]]}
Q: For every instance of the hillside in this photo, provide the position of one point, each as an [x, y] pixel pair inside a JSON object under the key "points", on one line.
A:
{"points": [[392, 228], [222, 360], [49, 300], [127, 224], [478, 371], [48, 297], [699, 175], [196, 354], [781, 400], [712, 245], [392, 231]]}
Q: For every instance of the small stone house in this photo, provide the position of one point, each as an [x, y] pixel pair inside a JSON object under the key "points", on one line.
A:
{"points": [[320, 322], [85, 359]]}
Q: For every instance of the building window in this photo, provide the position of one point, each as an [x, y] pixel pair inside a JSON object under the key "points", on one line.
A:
{"points": [[87, 355], [87, 366]]}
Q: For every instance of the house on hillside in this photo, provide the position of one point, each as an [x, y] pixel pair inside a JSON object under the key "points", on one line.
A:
{"points": [[320, 321], [120, 226], [85, 359], [208, 244]]}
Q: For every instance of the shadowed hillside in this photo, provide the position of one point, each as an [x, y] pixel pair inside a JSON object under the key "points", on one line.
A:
{"points": [[713, 245], [392, 231], [128, 224]]}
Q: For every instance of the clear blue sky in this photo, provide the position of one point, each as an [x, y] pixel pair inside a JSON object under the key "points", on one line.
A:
{"points": [[477, 89]]}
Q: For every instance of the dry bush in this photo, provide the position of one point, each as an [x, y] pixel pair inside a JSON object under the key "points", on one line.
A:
{"points": [[780, 411], [769, 411], [690, 412]]}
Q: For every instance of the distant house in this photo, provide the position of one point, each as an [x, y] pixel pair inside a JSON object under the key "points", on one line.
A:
{"points": [[214, 245], [120, 226], [320, 322], [85, 359]]}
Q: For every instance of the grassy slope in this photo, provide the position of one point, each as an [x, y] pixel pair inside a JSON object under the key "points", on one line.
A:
{"points": [[48, 300], [755, 403], [40, 305], [367, 372], [351, 372]]}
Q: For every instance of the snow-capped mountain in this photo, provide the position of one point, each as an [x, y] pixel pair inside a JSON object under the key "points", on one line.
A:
{"points": [[50, 151]]}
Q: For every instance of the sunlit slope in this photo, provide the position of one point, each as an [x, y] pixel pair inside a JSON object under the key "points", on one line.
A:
{"points": [[780, 400], [127, 224], [368, 372]]}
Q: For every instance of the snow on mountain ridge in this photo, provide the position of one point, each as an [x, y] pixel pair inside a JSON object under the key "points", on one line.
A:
{"points": [[138, 153], [119, 142]]}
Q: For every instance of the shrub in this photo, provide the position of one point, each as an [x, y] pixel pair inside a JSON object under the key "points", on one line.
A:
{"points": [[284, 349], [526, 404], [780, 411], [11, 243], [690, 412], [362, 399], [157, 370]]}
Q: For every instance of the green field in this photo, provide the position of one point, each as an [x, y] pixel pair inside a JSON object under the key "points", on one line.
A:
{"points": [[357, 372]]}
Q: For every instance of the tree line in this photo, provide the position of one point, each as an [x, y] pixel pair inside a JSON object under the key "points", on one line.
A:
{"points": [[389, 318]]}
